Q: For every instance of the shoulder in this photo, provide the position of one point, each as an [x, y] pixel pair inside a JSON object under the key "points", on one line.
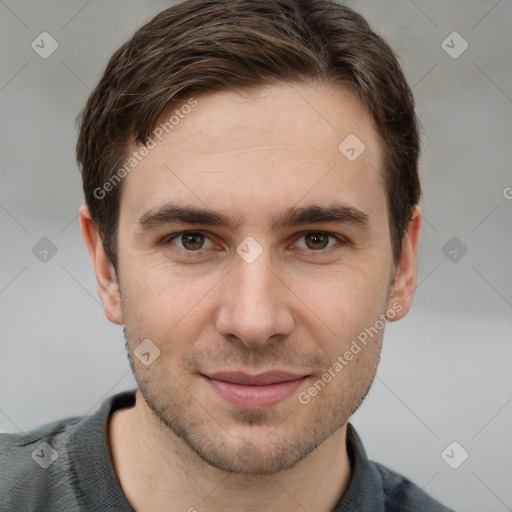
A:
{"points": [[401, 495], [34, 465], [378, 488]]}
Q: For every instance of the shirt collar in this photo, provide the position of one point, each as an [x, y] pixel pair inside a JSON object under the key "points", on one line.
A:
{"points": [[99, 487]]}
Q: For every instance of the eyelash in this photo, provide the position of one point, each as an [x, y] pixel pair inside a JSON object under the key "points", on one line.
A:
{"points": [[168, 241]]}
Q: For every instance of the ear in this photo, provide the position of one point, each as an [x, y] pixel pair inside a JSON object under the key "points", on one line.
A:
{"points": [[406, 275], [108, 287]]}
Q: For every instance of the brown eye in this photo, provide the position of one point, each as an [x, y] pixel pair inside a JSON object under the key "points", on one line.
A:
{"points": [[189, 241], [317, 240], [192, 241]]}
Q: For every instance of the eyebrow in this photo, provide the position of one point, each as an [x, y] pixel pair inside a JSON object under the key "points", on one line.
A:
{"points": [[295, 216]]}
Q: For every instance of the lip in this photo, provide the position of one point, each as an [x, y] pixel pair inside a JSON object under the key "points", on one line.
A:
{"points": [[254, 391], [260, 379]]}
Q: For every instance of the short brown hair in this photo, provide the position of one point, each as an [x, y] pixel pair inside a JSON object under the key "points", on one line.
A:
{"points": [[205, 45]]}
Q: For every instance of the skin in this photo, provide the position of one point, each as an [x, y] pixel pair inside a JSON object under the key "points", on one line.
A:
{"points": [[297, 307]]}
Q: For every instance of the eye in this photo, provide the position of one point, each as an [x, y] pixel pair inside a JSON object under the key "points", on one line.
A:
{"points": [[190, 240], [318, 240], [194, 241]]}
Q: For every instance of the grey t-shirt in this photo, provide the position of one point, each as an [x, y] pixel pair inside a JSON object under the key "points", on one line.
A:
{"points": [[66, 466]]}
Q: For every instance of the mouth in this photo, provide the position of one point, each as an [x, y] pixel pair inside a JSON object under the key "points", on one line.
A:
{"points": [[259, 391]]}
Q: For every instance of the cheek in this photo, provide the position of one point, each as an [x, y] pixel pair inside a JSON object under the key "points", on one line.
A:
{"points": [[161, 300], [344, 307]]}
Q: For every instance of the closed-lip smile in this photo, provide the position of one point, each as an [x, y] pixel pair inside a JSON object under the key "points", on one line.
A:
{"points": [[258, 391], [260, 379]]}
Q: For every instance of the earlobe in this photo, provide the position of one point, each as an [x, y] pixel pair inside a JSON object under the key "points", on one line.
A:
{"points": [[106, 279], [406, 276]]}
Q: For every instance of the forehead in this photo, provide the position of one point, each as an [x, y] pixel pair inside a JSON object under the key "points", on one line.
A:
{"points": [[265, 150]]}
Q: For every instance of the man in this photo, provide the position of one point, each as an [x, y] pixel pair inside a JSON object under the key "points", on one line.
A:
{"points": [[251, 186]]}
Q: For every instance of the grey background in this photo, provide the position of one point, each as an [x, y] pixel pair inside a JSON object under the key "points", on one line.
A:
{"points": [[445, 369]]}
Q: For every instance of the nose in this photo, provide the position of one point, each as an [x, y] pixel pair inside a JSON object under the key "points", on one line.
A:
{"points": [[255, 304]]}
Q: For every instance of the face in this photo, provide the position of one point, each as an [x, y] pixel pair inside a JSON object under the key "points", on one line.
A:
{"points": [[286, 268]]}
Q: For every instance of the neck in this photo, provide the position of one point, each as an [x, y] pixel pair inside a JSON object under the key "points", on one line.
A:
{"points": [[158, 471]]}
